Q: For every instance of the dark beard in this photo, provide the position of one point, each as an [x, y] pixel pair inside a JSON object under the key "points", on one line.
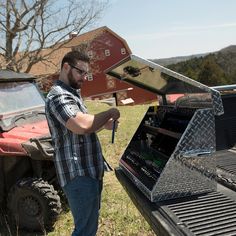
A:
{"points": [[72, 81]]}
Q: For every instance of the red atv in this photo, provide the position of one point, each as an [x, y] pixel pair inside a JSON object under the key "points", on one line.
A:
{"points": [[27, 174]]}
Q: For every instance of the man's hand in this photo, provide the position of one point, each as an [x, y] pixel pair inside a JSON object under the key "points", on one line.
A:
{"points": [[86, 123], [109, 124], [114, 113]]}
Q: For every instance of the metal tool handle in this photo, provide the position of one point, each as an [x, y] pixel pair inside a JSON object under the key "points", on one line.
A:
{"points": [[113, 131]]}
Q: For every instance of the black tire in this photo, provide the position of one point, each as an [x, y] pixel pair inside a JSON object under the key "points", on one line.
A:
{"points": [[34, 204]]}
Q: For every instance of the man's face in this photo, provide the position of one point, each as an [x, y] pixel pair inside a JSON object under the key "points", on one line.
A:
{"points": [[77, 74]]}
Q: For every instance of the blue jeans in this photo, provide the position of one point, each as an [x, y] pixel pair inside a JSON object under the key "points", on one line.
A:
{"points": [[84, 197]]}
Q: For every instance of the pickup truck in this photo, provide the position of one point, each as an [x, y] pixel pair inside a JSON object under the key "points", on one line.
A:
{"points": [[179, 168]]}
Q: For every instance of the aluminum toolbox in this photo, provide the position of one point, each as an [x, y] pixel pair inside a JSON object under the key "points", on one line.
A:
{"points": [[175, 160], [166, 157]]}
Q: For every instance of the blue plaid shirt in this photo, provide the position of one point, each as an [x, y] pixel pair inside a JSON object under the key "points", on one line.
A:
{"points": [[75, 155]]}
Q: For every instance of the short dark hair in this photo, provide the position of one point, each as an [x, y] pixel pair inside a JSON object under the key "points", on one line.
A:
{"points": [[74, 56]]}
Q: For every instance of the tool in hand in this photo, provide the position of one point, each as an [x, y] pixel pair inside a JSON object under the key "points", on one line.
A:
{"points": [[113, 131]]}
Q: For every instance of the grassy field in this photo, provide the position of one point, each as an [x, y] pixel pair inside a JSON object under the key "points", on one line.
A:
{"points": [[118, 215]]}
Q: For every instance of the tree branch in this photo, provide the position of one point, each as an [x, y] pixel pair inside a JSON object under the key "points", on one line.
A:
{"points": [[31, 26]]}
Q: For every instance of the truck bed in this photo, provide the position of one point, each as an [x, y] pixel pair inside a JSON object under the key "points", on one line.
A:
{"points": [[208, 214]]}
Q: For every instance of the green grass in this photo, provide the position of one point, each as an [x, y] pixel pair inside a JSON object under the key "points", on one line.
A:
{"points": [[118, 215]]}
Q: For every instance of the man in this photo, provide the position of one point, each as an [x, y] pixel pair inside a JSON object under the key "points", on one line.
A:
{"points": [[78, 156]]}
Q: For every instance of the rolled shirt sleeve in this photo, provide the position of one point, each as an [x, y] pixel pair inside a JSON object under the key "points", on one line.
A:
{"points": [[63, 107]]}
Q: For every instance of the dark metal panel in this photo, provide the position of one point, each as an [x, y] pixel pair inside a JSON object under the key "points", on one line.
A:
{"points": [[6, 75], [226, 123], [210, 214]]}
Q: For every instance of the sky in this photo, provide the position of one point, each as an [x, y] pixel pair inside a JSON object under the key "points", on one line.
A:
{"points": [[169, 28]]}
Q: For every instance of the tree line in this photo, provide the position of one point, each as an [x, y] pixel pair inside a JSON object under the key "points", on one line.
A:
{"points": [[213, 69]]}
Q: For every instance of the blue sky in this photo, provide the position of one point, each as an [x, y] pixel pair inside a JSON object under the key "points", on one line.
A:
{"points": [[168, 28]]}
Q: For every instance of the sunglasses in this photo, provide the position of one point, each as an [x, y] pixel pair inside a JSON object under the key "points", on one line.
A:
{"points": [[81, 72]]}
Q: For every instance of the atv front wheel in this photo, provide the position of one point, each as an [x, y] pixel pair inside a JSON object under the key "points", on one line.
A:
{"points": [[34, 204]]}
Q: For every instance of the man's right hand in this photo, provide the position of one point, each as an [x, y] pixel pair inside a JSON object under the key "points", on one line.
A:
{"points": [[86, 123], [115, 114], [110, 123]]}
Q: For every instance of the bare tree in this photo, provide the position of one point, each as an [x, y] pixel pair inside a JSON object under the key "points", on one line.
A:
{"points": [[29, 26]]}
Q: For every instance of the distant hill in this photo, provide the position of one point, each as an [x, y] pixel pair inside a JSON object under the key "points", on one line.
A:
{"points": [[174, 60], [229, 49], [216, 68]]}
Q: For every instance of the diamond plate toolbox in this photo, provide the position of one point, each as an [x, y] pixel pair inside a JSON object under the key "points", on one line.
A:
{"points": [[170, 154]]}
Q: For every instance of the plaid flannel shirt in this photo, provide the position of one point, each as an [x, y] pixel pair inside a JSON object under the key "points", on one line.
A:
{"points": [[75, 155]]}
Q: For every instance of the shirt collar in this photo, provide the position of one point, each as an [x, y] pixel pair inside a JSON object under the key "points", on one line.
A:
{"points": [[68, 88]]}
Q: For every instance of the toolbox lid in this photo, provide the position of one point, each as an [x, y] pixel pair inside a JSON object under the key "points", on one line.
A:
{"points": [[160, 80]]}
